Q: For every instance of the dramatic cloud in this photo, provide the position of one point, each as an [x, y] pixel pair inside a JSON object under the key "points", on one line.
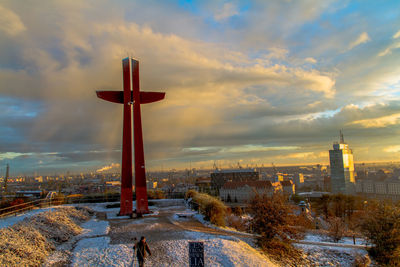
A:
{"points": [[246, 82], [380, 122]]}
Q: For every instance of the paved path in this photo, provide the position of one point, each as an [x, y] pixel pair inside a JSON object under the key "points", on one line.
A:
{"points": [[328, 244], [159, 228]]}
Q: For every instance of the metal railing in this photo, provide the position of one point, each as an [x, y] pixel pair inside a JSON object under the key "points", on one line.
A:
{"points": [[26, 206], [44, 203]]}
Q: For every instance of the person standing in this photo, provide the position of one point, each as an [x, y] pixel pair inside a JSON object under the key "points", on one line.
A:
{"points": [[141, 249]]}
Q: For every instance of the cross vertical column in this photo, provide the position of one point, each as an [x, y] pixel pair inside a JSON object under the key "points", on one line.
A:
{"points": [[126, 166], [140, 173]]}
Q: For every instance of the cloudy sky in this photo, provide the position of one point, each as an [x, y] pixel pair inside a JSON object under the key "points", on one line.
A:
{"points": [[246, 81]]}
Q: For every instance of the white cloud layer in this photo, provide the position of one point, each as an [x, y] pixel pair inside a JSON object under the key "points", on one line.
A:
{"points": [[228, 10], [361, 39], [396, 35], [10, 23]]}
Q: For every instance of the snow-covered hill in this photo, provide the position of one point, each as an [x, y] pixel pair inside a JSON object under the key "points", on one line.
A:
{"points": [[101, 244], [107, 240]]}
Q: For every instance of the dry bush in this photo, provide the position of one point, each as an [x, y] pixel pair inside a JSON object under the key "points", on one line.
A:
{"points": [[361, 261], [273, 221], [155, 194], [213, 209], [216, 210], [59, 225], [337, 228], [303, 221], [238, 222], [284, 253], [29, 242], [381, 226], [23, 245], [190, 193], [237, 211]]}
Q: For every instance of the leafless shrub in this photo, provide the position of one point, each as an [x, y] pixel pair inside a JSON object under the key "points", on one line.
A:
{"points": [[381, 226], [213, 208], [23, 245], [237, 222], [337, 228], [273, 221], [29, 242], [362, 261], [58, 226]]}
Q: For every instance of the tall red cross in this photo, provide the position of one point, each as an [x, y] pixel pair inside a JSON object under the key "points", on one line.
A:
{"points": [[132, 96]]}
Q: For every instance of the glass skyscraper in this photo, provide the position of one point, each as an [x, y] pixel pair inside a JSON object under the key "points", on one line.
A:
{"points": [[342, 168]]}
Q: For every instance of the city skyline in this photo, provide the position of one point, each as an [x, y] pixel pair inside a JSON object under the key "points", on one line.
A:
{"points": [[246, 82]]}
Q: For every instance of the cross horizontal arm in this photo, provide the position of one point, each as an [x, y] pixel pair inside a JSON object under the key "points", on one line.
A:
{"points": [[112, 96], [118, 96], [150, 97]]}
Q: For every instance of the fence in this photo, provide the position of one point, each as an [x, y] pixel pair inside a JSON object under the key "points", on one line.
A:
{"points": [[44, 203]]}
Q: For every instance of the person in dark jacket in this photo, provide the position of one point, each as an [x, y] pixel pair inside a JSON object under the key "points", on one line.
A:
{"points": [[141, 248]]}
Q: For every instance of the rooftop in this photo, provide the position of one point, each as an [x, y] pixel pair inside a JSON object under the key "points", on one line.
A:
{"points": [[234, 171], [256, 184]]}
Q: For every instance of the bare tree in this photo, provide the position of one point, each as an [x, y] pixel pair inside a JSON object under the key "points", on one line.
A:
{"points": [[337, 228]]}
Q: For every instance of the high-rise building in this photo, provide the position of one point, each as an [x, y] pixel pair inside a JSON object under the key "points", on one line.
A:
{"points": [[342, 168]]}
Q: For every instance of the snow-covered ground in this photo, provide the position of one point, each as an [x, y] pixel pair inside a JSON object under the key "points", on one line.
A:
{"points": [[219, 251], [169, 235], [330, 255], [98, 252], [93, 235], [323, 252], [200, 218], [94, 227], [112, 213], [312, 237]]}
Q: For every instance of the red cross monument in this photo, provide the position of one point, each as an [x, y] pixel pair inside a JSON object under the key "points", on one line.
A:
{"points": [[132, 96]]}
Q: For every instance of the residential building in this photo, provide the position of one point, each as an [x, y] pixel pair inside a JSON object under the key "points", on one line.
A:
{"points": [[298, 180], [204, 184], [288, 187], [387, 189], [220, 177], [242, 192]]}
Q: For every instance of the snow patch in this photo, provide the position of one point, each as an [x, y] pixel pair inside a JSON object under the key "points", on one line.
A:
{"points": [[152, 226], [98, 252], [218, 251], [94, 227], [330, 255], [312, 237], [201, 219]]}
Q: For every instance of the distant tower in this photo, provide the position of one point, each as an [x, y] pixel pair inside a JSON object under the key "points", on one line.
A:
{"points": [[6, 178], [342, 168], [341, 137]]}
